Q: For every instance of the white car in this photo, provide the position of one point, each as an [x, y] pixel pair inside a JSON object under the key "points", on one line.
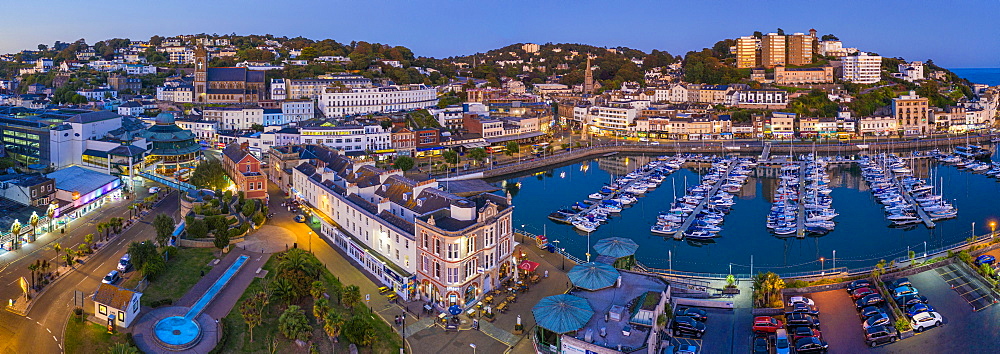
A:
{"points": [[925, 320], [643, 139], [800, 300], [154, 190], [654, 143]]}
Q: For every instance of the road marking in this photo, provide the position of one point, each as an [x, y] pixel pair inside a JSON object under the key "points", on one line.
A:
{"points": [[29, 318], [39, 323], [50, 331], [55, 339]]}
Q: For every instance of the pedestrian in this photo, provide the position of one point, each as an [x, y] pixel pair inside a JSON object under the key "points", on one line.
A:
{"points": [[546, 273]]}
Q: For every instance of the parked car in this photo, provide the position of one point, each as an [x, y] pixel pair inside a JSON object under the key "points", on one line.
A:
{"points": [[901, 282], [858, 284], [761, 345], [861, 292], [985, 259], [125, 263], [687, 326], [915, 309], [154, 190], [880, 319], [908, 300], [800, 300], [869, 311], [801, 319], [113, 277], [687, 349], [803, 332], [904, 290], [300, 218], [873, 299], [694, 313], [878, 335], [766, 324], [925, 320], [781, 343], [803, 308], [810, 345]]}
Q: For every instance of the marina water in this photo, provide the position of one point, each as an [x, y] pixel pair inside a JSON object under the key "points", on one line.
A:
{"points": [[862, 236]]}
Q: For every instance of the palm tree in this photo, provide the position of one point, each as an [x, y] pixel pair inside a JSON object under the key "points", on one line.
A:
{"points": [[879, 269], [50, 214], [34, 224], [100, 228], [317, 289], [34, 267], [767, 289], [320, 308], [332, 324], [15, 229]]}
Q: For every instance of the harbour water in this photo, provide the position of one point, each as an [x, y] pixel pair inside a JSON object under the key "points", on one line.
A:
{"points": [[862, 236], [989, 76]]}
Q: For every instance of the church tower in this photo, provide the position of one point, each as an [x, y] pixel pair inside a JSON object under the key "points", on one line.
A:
{"points": [[588, 78], [200, 73]]}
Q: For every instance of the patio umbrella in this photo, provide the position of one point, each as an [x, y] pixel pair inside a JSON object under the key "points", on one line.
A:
{"points": [[454, 310], [528, 266], [593, 276], [562, 313], [616, 247]]}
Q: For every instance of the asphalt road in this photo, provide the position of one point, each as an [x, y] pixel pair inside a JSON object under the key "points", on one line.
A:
{"points": [[47, 318]]}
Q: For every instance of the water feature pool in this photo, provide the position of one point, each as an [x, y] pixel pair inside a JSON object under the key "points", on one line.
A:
{"points": [[183, 332], [862, 236]]}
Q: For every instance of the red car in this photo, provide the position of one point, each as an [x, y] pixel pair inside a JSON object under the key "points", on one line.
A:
{"points": [[804, 332], [862, 292], [766, 324]]}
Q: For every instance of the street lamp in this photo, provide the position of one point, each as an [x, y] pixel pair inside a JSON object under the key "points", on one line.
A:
{"points": [[402, 331], [822, 265], [473, 345], [993, 229], [562, 259]]}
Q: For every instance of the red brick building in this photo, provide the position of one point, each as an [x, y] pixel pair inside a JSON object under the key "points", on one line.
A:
{"points": [[244, 169]]}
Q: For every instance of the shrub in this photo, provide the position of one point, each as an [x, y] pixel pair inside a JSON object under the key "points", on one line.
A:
{"points": [[294, 324], [902, 325], [796, 284]]}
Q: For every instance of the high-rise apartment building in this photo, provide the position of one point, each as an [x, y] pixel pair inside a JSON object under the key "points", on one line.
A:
{"points": [[862, 68], [747, 51], [800, 49], [773, 50]]}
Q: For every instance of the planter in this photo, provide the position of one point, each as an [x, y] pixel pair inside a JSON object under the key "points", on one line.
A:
{"points": [[906, 334]]}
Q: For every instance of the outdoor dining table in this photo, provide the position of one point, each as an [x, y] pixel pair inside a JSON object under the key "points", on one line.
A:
{"points": [[502, 307], [488, 299], [512, 298]]}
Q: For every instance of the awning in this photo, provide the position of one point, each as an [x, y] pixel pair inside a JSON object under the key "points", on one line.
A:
{"points": [[562, 313], [616, 247], [528, 266], [513, 137], [474, 145], [593, 276]]}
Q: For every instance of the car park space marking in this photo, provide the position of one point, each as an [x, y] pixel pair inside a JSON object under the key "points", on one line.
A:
{"points": [[681, 341]]}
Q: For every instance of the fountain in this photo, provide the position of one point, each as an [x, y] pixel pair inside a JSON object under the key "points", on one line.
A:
{"points": [[183, 332]]}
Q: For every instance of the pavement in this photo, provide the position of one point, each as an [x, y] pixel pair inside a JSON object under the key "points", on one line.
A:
{"points": [[52, 308]]}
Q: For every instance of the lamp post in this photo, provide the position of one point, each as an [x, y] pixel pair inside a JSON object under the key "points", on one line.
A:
{"points": [[473, 345], [402, 332], [834, 259], [925, 249], [822, 265], [562, 259], [993, 229]]}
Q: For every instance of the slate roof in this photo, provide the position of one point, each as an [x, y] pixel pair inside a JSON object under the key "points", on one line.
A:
{"points": [[234, 74], [113, 296], [127, 150], [91, 117], [234, 152]]}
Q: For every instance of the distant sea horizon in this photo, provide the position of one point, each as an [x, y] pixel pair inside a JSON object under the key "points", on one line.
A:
{"points": [[988, 76]]}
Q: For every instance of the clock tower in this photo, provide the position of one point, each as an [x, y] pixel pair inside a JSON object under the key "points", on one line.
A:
{"points": [[200, 73]]}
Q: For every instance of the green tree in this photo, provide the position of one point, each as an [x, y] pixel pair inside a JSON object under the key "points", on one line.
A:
{"points": [[332, 325], [252, 310], [300, 268], [257, 127], [221, 239], [351, 296], [141, 252], [88, 239], [164, 226], [320, 308], [123, 348], [210, 174], [34, 267], [197, 228], [478, 154], [294, 324], [153, 267], [450, 156], [767, 289], [317, 289], [249, 207], [69, 256], [512, 148], [404, 163], [360, 330], [309, 53]]}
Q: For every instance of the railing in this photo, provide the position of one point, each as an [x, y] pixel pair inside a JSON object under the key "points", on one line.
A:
{"points": [[167, 182]]}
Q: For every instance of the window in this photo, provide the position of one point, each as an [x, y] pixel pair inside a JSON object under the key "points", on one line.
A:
{"points": [[437, 246], [424, 263], [470, 244], [121, 316], [102, 310], [452, 275], [452, 250], [437, 270]]}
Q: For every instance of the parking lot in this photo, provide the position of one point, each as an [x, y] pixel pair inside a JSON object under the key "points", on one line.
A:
{"points": [[719, 332], [969, 286], [839, 322]]}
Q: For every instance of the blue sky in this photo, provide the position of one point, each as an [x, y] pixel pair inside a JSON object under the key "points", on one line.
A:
{"points": [[955, 33]]}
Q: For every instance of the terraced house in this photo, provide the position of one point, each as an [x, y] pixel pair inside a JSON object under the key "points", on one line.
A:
{"points": [[422, 242]]}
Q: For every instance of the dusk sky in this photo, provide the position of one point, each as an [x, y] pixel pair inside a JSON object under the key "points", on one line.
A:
{"points": [[956, 33]]}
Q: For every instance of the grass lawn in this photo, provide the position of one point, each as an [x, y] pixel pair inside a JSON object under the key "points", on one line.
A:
{"points": [[87, 337], [183, 271], [236, 337]]}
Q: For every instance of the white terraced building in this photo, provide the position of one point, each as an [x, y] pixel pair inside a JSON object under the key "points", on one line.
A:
{"points": [[337, 102]]}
